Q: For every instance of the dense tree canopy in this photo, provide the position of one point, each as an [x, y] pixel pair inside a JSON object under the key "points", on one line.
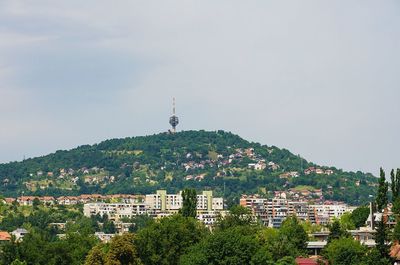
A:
{"points": [[145, 164], [164, 241]]}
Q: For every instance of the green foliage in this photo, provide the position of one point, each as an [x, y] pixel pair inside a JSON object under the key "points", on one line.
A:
{"points": [[234, 246], [286, 261], [292, 231], [360, 215], [336, 231], [164, 241], [42, 246], [373, 257], [96, 256], [139, 222], [189, 203], [122, 251], [396, 207], [381, 198], [145, 164], [395, 184], [237, 216], [279, 242], [381, 238], [345, 251], [346, 221], [18, 262]]}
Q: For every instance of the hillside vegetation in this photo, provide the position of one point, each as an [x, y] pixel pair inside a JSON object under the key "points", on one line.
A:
{"points": [[219, 160]]}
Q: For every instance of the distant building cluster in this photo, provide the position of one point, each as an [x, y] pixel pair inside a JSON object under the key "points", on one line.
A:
{"points": [[272, 212], [72, 200]]}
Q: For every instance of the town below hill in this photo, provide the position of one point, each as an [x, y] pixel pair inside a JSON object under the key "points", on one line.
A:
{"points": [[219, 161]]}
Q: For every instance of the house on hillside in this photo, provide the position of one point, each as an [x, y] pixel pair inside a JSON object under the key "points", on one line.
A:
{"points": [[19, 233], [4, 237], [314, 260]]}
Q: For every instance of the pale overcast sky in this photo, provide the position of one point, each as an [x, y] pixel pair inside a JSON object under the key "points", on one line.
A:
{"points": [[320, 78]]}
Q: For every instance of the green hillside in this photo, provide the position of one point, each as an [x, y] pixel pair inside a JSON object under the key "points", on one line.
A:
{"points": [[219, 160]]}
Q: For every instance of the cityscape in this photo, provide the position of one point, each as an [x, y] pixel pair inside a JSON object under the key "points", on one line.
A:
{"points": [[199, 132]]}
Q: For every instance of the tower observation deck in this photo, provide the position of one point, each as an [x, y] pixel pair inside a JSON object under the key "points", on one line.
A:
{"points": [[173, 120]]}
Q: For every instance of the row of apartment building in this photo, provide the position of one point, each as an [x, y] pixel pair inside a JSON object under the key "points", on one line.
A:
{"points": [[272, 212], [158, 205]]}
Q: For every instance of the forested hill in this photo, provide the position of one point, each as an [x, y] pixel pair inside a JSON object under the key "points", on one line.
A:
{"points": [[219, 160]]}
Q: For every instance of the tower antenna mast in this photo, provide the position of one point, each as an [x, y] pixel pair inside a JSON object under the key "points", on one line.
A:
{"points": [[173, 120]]}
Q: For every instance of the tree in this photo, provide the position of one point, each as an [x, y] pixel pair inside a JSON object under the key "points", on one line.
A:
{"points": [[277, 244], [360, 215], [293, 232], [381, 198], [18, 262], [381, 238], [235, 246], [336, 231], [122, 251], [286, 261], [96, 256], [140, 222], [373, 257], [237, 216], [165, 240], [345, 251], [346, 222], [395, 184], [189, 203], [35, 203]]}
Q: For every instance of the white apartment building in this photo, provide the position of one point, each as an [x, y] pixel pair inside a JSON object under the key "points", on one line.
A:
{"points": [[115, 211], [161, 201], [272, 212], [159, 205]]}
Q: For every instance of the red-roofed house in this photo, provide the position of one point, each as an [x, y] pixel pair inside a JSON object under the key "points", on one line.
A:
{"points": [[310, 261], [395, 252], [4, 236]]}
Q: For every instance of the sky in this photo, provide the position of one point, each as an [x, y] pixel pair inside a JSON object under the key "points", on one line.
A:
{"points": [[318, 77]]}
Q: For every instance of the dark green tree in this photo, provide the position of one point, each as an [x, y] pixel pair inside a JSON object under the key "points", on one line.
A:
{"points": [[277, 244], [139, 222], [345, 251], [395, 185], [336, 231], [381, 198], [35, 203], [381, 235], [164, 241], [292, 231], [237, 216], [360, 215], [235, 246], [122, 251], [189, 203], [381, 238], [286, 261], [96, 256], [373, 257]]}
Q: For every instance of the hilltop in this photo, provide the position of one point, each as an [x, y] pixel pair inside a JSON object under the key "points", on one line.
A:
{"points": [[221, 161]]}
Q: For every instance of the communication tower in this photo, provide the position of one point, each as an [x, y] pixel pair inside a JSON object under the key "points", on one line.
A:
{"points": [[173, 120]]}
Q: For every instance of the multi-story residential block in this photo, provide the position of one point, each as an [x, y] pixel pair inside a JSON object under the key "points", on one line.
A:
{"points": [[158, 205], [272, 212], [115, 211], [161, 201]]}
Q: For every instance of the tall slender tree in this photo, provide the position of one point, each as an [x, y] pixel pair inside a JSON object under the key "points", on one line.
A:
{"points": [[395, 185], [381, 198], [189, 204], [381, 236]]}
